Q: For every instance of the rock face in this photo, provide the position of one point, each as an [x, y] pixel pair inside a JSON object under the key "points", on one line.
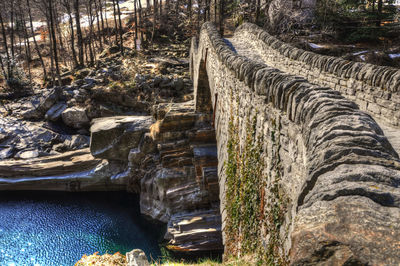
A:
{"points": [[195, 231], [113, 137], [75, 117], [327, 191], [172, 163], [182, 181], [70, 171]]}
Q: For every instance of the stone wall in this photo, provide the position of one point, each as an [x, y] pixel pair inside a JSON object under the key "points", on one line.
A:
{"points": [[326, 166], [376, 89]]}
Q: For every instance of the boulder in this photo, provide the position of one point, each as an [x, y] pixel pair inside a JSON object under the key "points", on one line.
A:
{"points": [[66, 80], [137, 258], [42, 104], [109, 51], [113, 137], [54, 113], [27, 154], [75, 117], [6, 152]]}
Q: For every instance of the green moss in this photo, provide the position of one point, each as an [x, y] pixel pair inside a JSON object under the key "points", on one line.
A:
{"points": [[254, 198]]}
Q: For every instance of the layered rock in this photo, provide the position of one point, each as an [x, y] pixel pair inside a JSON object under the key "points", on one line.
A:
{"points": [[184, 179], [70, 171], [113, 137], [195, 231], [171, 163]]}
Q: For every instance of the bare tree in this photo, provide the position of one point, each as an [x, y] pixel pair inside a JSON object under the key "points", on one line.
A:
{"points": [[79, 32], [34, 40]]}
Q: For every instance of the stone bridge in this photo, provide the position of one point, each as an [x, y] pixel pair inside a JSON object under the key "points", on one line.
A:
{"points": [[308, 146]]}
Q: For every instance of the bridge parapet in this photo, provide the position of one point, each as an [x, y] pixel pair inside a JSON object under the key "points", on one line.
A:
{"points": [[376, 89], [323, 177]]}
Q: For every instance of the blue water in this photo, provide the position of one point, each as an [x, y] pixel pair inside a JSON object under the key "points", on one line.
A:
{"points": [[47, 229]]}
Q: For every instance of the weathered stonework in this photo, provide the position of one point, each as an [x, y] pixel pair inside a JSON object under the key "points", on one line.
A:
{"points": [[338, 171], [376, 89]]}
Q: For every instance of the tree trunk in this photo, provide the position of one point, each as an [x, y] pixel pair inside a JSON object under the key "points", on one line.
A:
{"points": [[221, 17], [72, 36], [115, 22], [3, 30], [140, 22], [12, 30], [120, 29], [35, 42], [136, 25], [79, 32], [102, 21], [91, 32], [53, 35], [108, 27], [380, 7], [51, 49], [98, 23], [26, 42]]}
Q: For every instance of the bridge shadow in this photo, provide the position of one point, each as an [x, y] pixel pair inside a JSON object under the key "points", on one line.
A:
{"points": [[230, 45]]}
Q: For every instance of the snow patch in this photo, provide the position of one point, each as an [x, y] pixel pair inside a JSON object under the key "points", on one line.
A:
{"points": [[394, 56], [315, 46], [361, 52]]}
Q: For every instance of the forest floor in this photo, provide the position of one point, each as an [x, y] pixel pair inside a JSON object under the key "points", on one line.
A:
{"points": [[383, 51]]}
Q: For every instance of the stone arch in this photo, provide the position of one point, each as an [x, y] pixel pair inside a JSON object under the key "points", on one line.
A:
{"points": [[202, 92]]}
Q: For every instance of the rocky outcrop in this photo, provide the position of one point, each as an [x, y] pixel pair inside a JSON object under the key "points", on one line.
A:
{"points": [[114, 137], [41, 104], [18, 137], [195, 231], [172, 164], [70, 171], [183, 179]]}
